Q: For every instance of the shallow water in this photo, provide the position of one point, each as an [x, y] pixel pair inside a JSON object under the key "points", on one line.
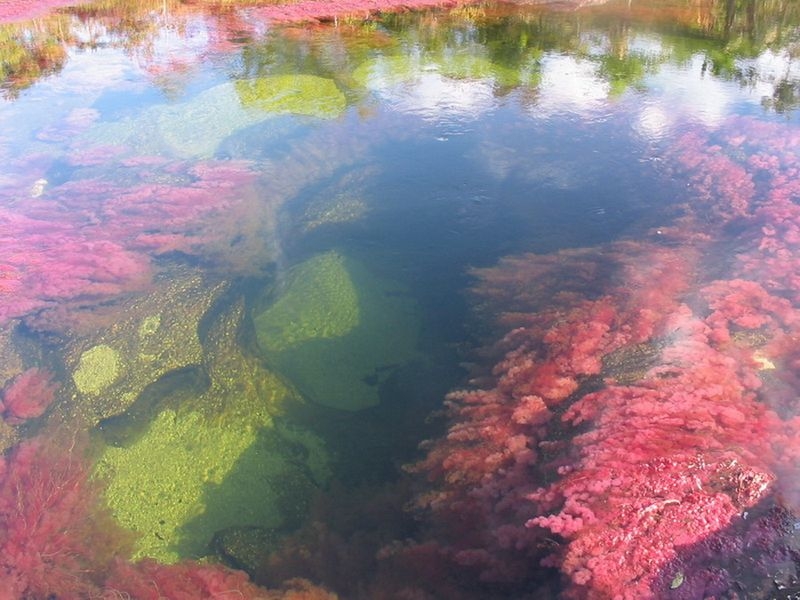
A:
{"points": [[236, 256]]}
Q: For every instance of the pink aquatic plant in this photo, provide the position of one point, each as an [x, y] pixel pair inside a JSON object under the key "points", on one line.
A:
{"points": [[55, 539], [21, 10], [643, 400], [28, 396], [92, 239]]}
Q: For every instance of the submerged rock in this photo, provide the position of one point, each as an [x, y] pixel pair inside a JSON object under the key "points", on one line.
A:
{"points": [[149, 336], [294, 93], [346, 201], [196, 127], [245, 548], [337, 331], [216, 459]]}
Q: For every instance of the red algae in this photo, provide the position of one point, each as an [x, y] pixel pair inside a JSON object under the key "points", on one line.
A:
{"points": [[28, 396], [326, 10], [57, 539], [21, 10], [639, 408]]}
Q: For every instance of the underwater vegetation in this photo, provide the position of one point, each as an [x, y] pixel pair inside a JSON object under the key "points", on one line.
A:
{"points": [[27, 396], [295, 93], [331, 305], [76, 513], [630, 429], [639, 431]]}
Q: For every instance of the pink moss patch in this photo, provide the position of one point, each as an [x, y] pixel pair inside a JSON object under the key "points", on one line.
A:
{"points": [[20, 10]]}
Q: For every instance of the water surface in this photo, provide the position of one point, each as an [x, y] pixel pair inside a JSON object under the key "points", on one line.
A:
{"points": [[236, 256]]}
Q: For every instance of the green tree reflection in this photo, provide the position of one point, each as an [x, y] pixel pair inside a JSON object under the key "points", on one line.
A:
{"points": [[501, 43]]}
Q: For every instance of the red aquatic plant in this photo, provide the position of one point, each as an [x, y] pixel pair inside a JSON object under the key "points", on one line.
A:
{"points": [[189, 580], [92, 239], [28, 395], [21, 10], [644, 397], [55, 538]]}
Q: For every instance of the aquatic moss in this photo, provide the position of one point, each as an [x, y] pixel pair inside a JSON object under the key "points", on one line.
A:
{"points": [[340, 208], [97, 369], [149, 326], [297, 94], [192, 129], [319, 301], [189, 476], [338, 331]]}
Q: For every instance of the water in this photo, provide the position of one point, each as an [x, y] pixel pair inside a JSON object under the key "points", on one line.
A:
{"points": [[242, 264]]}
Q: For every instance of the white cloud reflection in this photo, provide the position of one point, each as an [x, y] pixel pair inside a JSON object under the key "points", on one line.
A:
{"points": [[570, 85], [690, 92], [409, 86]]}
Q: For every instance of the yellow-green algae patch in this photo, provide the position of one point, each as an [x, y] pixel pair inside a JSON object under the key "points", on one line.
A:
{"points": [[189, 476], [97, 369], [156, 485], [320, 301], [338, 330], [193, 128], [297, 94], [218, 461]]}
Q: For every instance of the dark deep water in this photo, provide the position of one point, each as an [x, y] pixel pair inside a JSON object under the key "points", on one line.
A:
{"points": [[238, 276]]}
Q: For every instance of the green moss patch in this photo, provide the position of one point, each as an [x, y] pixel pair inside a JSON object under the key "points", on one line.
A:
{"points": [[338, 330], [293, 93]]}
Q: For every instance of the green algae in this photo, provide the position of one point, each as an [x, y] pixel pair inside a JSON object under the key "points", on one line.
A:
{"points": [[98, 368], [188, 463], [213, 460], [319, 301], [297, 94], [156, 485], [338, 331], [189, 476], [153, 335]]}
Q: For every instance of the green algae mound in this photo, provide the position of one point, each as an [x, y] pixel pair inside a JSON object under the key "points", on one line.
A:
{"points": [[338, 330], [97, 369], [320, 302], [189, 476], [297, 94], [180, 469]]}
